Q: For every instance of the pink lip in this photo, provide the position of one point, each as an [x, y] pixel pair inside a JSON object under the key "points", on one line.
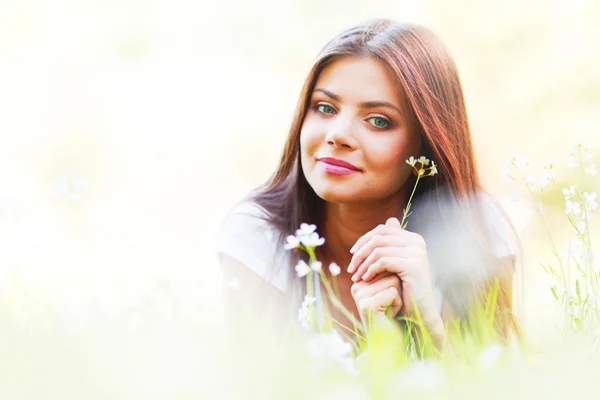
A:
{"points": [[337, 167]]}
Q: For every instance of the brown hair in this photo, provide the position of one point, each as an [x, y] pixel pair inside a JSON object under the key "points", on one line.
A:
{"points": [[428, 78]]}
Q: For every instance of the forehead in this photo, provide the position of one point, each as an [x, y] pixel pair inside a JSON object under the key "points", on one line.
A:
{"points": [[360, 79]]}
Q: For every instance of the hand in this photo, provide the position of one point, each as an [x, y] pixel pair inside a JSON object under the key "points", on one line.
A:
{"points": [[378, 298], [390, 248]]}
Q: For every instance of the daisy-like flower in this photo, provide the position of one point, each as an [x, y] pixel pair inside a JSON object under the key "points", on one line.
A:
{"points": [[306, 229], [334, 269], [433, 169], [292, 242], [568, 193], [312, 241], [316, 266], [591, 170], [573, 207], [302, 268], [423, 160], [590, 202], [411, 161]]}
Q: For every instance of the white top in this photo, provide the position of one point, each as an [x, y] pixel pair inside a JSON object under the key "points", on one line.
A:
{"points": [[249, 239]]}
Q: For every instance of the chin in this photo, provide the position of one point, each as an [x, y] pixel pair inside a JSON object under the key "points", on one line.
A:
{"points": [[337, 193]]}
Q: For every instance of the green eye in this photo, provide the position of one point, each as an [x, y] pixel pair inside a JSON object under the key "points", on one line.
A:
{"points": [[380, 122], [325, 109]]}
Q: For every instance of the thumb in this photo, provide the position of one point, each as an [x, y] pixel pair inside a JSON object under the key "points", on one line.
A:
{"points": [[393, 222]]}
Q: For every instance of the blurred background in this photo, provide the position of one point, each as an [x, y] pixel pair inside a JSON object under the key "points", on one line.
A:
{"points": [[129, 129]]}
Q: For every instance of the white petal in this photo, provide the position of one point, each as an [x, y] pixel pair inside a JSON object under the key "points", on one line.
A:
{"points": [[334, 269]]}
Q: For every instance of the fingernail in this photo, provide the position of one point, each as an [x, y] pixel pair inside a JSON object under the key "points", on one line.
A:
{"points": [[352, 249], [354, 277]]}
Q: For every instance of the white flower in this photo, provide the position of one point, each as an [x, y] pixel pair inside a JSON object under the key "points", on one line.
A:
{"points": [[423, 160], [590, 202], [305, 229], [316, 266], [521, 162], [572, 207], [491, 354], [330, 351], [334, 269], [529, 180], [411, 161], [572, 161], [568, 193], [591, 170], [547, 175], [312, 241], [292, 242], [304, 312], [433, 169], [302, 268]]}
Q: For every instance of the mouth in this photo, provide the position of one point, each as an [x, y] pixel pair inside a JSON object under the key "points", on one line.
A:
{"points": [[337, 167]]}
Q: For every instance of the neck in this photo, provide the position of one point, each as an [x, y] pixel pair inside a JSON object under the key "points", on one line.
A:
{"points": [[344, 223]]}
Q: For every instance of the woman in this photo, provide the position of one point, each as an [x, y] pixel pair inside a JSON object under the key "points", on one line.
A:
{"points": [[378, 94]]}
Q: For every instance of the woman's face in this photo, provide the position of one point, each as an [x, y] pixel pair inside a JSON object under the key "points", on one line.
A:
{"points": [[356, 117]]}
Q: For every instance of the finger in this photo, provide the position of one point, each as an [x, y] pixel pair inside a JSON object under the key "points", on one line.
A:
{"points": [[393, 223], [391, 240], [381, 301], [378, 230], [364, 290], [375, 255], [396, 265]]}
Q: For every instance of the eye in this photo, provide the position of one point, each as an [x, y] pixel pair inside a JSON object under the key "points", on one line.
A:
{"points": [[380, 122], [324, 109]]}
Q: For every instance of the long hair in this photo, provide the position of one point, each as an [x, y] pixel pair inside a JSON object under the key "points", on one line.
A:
{"points": [[427, 76]]}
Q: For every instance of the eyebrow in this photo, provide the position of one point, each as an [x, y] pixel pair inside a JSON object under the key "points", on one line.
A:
{"points": [[367, 104]]}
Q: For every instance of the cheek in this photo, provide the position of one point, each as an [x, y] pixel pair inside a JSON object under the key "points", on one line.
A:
{"points": [[310, 138]]}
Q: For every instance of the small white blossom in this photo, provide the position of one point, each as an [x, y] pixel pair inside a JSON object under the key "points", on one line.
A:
{"points": [[423, 160], [304, 312], [572, 207], [330, 351], [302, 268], [305, 229], [591, 170], [568, 193], [316, 266], [521, 162], [411, 161], [590, 202], [292, 242], [529, 180], [312, 241], [334, 269], [572, 161], [433, 169], [547, 175]]}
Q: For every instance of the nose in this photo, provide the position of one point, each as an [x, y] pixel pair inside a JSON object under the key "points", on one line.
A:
{"points": [[340, 135]]}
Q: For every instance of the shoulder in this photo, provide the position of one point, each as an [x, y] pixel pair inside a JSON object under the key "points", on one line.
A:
{"points": [[248, 237], [502, 235]]}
